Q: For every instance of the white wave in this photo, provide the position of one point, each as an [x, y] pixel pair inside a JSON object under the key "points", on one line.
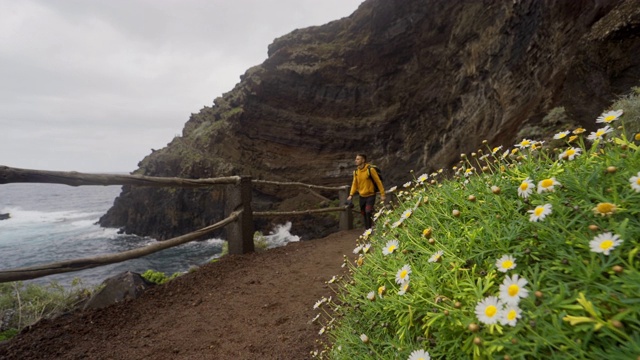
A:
{"points": [[25, 217], [281, 236]]}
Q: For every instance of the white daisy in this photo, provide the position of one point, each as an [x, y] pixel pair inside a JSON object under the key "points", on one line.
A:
{"points": [[510, 315], [526, 188], [364, 338], [570, 153], [496, 149], [319, 303], [468, 171], [407, 184], [599, 133], [540, 212], [512, 289], [403, 274], [635, 182], [561, 135], [392, 189], [605, 242], [371, 295], [315, 318], [506, 263], [357, 249], [525, 143], [488, 310], [392, 245], [436, 257], [419, 355], [322, 331], [404, 287], [609, 116], [397, 223], [407, 213], [547, 185], [367, 233], [366, 247], [422, 178]]}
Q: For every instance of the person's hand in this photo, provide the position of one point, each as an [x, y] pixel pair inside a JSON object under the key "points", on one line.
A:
{"points": [[349, 198]]}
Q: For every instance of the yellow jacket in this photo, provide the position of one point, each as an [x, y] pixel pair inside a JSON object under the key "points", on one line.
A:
{"points": [[363, 184]]}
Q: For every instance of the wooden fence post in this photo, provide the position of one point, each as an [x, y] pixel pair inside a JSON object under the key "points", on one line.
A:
{"points": [[240, 232], [346, 217]]}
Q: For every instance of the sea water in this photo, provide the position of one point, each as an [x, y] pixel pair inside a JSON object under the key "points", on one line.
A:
{"points": [[51, 223]]}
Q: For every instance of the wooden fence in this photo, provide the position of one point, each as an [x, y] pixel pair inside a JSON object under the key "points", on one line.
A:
{"points": [[238, 212]]}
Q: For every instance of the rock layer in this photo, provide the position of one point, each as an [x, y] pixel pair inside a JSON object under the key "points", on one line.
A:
{"points": [[411, 83]]}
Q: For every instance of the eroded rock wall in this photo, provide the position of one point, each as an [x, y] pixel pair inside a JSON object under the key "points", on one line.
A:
{"points": [[412, 83]]}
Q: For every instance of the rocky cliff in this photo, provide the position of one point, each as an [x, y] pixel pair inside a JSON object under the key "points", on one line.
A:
{"points": [[412, 83]]}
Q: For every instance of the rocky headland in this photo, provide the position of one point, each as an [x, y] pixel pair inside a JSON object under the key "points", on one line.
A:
{"points": [[411, 83]]}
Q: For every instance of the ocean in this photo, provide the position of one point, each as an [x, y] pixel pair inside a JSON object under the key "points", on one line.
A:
{"points": [[51, 223]]}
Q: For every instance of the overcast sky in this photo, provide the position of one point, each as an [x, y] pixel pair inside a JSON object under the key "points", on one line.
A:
{"points": [[94, 85]]}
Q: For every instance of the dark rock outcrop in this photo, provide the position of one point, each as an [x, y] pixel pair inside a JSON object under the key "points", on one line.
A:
{"points": [[5, 216], [118, 288], [411, 83]]}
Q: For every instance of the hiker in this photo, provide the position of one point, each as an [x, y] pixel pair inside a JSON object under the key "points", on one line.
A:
{"points": [[365, 181]]}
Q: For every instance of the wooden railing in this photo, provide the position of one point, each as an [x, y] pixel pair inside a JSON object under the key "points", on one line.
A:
{"points": [[238, 212]]}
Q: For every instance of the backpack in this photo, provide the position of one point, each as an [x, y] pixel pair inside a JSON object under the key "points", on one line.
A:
{"points": [[378, 171]]}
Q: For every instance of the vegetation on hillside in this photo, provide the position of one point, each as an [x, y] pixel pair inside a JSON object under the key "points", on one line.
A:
{"points": [[22, 305], [527, 252]]}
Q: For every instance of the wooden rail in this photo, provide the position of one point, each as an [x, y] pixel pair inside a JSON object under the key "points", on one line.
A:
{"points": [[239, 220], [37, 271]]}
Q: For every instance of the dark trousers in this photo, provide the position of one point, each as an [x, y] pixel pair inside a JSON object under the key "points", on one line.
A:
{"points": [[366, 209]]}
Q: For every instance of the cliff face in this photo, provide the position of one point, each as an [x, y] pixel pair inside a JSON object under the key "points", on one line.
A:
{"points": [[412, 83]]}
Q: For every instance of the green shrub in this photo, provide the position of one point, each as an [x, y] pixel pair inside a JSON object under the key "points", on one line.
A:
{"points": [[22, 304], [158, 277], [458, 244]]}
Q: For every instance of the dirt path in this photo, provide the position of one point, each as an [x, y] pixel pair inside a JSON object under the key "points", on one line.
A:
{"points": [[242, 307]]}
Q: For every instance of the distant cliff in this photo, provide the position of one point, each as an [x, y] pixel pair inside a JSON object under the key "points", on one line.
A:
{"points": [[412, 83]]}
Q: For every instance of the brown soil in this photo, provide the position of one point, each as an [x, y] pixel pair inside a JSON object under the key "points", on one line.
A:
{"points": [[249, 306]]}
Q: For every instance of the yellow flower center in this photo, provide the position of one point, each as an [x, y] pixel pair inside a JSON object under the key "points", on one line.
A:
{"points": [[525, 143], [381, 290], [524, 186], [599, 133], [538, 211], [511, 315], [546, 183], [570, 152], [638, 181], [491, 311], [507, 264], [579, 131], [606, 244], [609, 118], [403, 274], [606, 208], [391, 248], [513, 290], [561, 135], [572, 137]]}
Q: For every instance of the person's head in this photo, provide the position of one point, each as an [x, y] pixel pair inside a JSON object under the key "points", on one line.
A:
{"points": [[361, 159]]}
